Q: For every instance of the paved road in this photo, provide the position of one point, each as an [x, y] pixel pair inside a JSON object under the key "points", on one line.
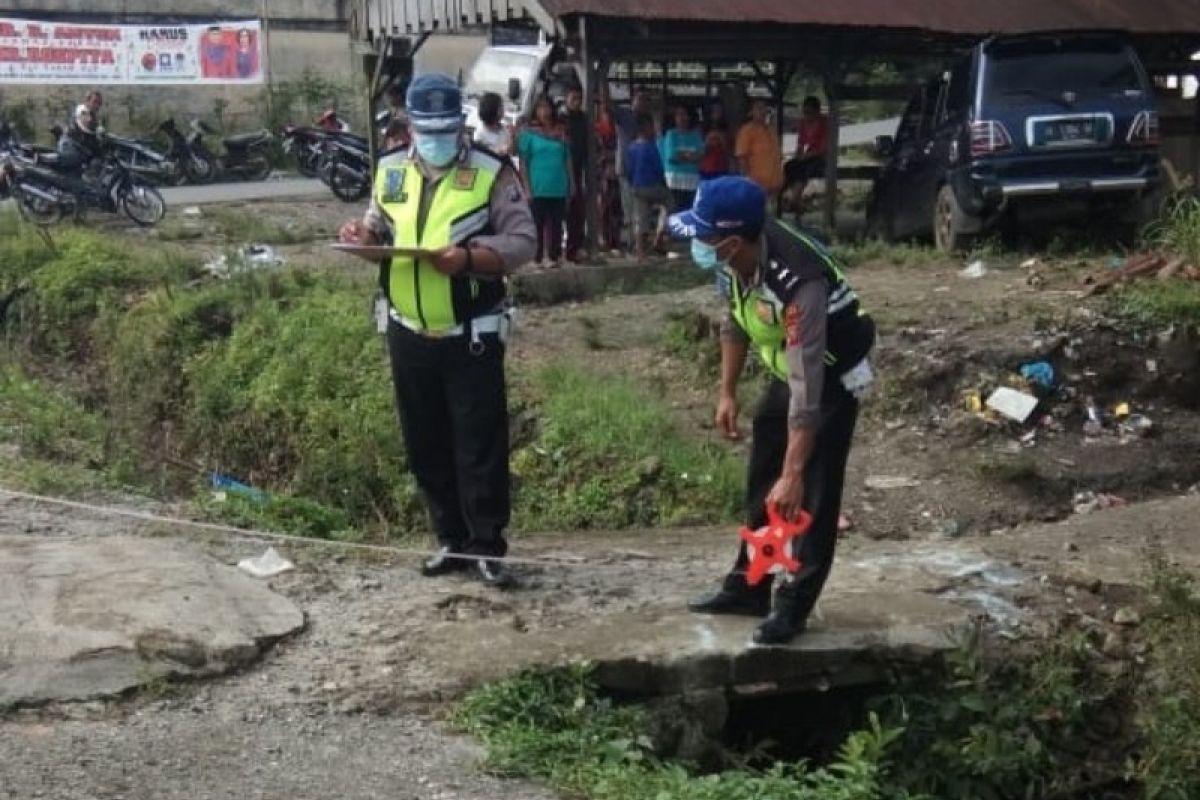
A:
{"points": [[178, 197]]}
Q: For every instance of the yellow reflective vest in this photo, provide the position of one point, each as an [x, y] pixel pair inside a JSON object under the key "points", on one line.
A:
{"points": [[458, 210]]}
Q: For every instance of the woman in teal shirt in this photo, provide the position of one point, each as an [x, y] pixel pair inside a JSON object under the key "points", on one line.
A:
{"points": [[546, 167], [682, 148]]}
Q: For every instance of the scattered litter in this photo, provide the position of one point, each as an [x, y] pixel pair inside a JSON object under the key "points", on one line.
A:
{"points": [[1139, 266], [1127, 616], [227, 485], [1122, 410], [1013, 404], [1138, 425], [888, 482], [1151, 366], [1087, 502], [1030, 263], [1095, 423], [249, 258], [192, 211], [973, 400], [844, 523], [976, 269], [1041, 375], [941, 289], [268, 565]]}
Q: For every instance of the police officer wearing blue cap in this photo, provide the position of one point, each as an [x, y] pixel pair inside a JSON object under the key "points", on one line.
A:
{"points": [[790, 303], [462, 214]]}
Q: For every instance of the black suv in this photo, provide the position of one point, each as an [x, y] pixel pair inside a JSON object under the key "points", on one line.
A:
{"points": [[1063, 123]]}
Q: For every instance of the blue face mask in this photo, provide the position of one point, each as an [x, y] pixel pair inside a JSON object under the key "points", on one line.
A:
{"points": [[437, 149], [705, 256]]}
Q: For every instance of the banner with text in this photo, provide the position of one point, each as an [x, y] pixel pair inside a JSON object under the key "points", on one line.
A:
{"points": [[57, 52]]}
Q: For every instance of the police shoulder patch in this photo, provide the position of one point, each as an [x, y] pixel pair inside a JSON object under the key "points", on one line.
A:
{"points": [[465, 177]]}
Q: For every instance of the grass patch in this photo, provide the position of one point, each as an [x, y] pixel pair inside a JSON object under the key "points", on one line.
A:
{"points": [[608, 454], [899, 254], [557, 727], [244, 225], [1168, 765], [1178, 230], [1159, 304]]}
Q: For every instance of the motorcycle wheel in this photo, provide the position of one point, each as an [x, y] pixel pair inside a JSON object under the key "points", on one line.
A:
{"points": [[306, 165], [143, 204], [258, 169], [349, 191], [38, 211], [200, 169]]}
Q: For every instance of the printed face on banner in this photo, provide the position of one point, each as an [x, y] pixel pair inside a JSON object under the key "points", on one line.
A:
{"points": [[230, 53], [50, 52]]}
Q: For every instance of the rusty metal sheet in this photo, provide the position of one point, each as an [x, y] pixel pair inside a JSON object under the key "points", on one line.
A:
{"points": [[939, 16]]}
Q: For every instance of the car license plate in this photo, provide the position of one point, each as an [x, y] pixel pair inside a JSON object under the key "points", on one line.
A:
{"points": [[1069, 131]]}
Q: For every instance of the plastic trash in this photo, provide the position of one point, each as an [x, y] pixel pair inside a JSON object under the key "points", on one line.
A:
{"points": [[229, 485], [1041, 375], [268, 565], [1010, 403], [1095, 423], [886, 482], [192, 211], [976, 269]]}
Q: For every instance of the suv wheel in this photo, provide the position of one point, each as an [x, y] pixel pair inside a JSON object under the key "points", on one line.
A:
{"points": [[949, 220]]}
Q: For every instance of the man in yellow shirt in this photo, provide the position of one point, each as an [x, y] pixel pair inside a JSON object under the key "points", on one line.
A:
{"points": [[759, 154]]}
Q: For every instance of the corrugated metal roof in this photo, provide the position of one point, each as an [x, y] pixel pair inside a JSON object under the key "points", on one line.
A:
{"points": [[940, 16]]}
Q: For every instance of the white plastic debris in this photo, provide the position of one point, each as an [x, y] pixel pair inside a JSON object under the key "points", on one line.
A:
{"points": [[192, 211], [249, 258], [268, 565], [975, 269], [886, 482], [1015, 405]]}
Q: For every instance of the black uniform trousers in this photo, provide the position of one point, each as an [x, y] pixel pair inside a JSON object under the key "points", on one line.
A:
{"points": [[824, 475], [454, 414]]}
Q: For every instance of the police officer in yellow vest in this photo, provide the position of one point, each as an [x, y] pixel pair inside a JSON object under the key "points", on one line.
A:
{"points": [[448, 319], [789, 302]]}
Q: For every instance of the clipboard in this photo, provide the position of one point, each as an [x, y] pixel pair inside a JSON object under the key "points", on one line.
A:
{"points": [[375, 252]]}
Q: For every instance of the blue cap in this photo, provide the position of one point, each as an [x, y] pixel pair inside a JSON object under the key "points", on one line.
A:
{"points": [[729, 206], [434, 104]]}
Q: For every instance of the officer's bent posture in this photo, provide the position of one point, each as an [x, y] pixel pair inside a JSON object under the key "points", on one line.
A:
{"points": [[788, 301], [448, 319]]}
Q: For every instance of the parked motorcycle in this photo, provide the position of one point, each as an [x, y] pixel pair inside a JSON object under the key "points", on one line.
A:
{"points": [[141, 157], [246, 156], [349, 169], [46, 191], [305, 145], [193, 166]]}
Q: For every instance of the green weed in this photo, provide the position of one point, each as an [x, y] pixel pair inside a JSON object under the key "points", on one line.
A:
{"points": [[902, 254], [1168, 764], [609, 455], [994, 729], [1159, 304], [1177, 231], [557, 727]]}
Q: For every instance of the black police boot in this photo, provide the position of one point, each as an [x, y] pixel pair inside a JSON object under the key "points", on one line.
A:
{"points": [[444, 562], [493, 573], [785, 622], [734, 598]]}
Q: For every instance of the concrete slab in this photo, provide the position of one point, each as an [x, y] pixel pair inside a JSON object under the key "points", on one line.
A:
{"points": [[86, 618]]}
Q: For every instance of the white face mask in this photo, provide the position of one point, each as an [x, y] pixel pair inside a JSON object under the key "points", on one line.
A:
{"points": [[437, 149]]}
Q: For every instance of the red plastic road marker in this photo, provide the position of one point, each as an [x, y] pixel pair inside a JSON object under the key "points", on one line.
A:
{"points": [[770, 548]]}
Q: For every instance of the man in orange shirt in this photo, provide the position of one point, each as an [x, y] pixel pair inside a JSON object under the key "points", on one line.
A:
{"points": [[758, 152]]}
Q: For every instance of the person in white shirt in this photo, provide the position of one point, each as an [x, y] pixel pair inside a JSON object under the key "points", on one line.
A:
{"points": [[492, 132]]}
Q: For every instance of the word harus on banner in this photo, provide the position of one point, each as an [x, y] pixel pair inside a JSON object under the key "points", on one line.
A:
{"points": [[35, 52]]}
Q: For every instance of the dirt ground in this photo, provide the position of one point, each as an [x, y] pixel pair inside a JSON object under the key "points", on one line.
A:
{"points": [[354, 706]]}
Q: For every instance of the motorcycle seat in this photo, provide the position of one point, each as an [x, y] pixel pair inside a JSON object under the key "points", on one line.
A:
{"points": [[244, 140]]}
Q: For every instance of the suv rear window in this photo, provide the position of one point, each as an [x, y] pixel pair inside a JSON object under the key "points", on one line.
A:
{"points": [[1053, 66]]}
